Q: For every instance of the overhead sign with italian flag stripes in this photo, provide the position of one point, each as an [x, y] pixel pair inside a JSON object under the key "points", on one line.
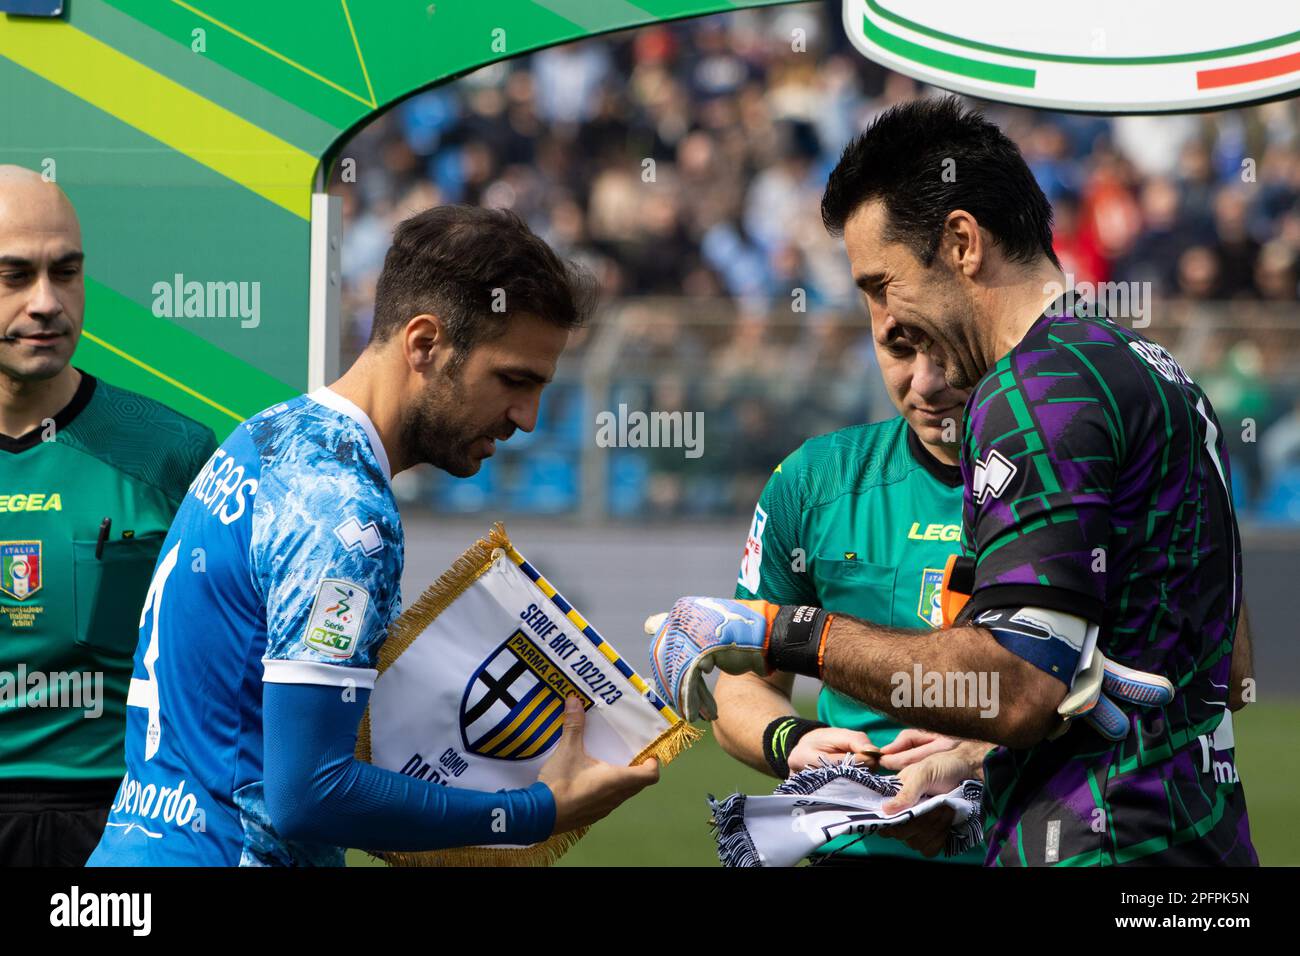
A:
{"points": [[1114, 56]]}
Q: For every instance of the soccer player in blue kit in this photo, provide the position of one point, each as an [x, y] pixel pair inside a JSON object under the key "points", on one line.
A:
{"points": [[281, 573]]}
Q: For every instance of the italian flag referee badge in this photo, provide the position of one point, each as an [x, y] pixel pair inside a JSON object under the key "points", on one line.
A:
{"points": [[20, 568], [929, 608]]}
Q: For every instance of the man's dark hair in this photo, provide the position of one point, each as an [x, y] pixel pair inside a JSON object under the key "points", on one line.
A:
{"points": [[901, 160], [475, 268]]}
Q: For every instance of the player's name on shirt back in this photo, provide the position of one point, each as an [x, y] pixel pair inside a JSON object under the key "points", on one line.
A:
{"points": [[223, 486]]}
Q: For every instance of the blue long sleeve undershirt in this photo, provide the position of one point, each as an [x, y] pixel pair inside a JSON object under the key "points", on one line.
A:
{"points": [[317, 791]]}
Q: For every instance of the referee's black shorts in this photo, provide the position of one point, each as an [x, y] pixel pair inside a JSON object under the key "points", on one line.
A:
{"points": [[52, 822]]}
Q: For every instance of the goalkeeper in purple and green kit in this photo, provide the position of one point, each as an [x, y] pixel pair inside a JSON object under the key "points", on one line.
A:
{"points": [[1101, 574]]}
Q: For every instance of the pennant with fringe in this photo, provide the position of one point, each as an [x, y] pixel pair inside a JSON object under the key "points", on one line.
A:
{"points": [[472, 682], [821, 804]]}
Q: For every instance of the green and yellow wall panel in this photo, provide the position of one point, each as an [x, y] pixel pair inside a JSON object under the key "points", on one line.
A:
{"points": [[190, 137]]}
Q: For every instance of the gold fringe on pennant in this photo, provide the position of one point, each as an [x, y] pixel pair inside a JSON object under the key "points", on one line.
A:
{"points": [[539, 854], [675, 740], [412, 622], [437, 597]]}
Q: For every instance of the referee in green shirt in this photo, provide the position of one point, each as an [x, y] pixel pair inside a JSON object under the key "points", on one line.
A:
{"points": [[860, 521], [90, 476]]}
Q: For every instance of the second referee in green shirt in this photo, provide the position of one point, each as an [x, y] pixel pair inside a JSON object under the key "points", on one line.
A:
{"points": [[859, 521]]}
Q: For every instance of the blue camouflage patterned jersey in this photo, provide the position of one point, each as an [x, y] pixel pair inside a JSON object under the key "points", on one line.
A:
{"points": [[283, 565]]}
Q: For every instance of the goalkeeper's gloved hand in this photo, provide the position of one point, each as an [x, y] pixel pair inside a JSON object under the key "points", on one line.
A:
{"points": [[701, 633], [1098, 691]]}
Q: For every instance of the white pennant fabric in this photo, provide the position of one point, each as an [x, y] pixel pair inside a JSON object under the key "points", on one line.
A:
{"points": [[821, 804], [473, 679]]}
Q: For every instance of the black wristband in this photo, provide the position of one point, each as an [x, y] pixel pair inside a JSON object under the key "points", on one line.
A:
{"points": [[779, 739], [794, 644]]}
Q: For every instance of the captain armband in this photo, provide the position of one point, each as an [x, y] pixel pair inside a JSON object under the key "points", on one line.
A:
{"points": [[1052, 641]]}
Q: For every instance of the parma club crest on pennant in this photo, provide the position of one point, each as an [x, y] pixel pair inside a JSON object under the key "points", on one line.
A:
{"points": [[513, 708], [20, 568], [929, 608]]}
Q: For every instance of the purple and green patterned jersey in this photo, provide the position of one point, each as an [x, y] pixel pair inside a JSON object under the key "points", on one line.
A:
{"points": [[1097, 484]]}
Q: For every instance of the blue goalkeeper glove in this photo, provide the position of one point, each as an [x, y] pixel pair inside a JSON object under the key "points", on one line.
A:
{"points": [[701, 633], [1096, 694]]}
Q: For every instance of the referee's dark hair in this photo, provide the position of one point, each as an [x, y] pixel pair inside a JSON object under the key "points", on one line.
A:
{"points": [[927, 157], [474, 268]]}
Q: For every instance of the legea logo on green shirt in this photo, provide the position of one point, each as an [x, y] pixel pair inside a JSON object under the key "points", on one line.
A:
{"points": [[934, 532], [31, 502]]}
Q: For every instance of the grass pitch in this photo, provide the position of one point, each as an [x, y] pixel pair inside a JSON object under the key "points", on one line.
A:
{"points": [[667, 824]]}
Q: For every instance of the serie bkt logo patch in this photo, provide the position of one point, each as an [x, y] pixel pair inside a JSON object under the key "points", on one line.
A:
{"points": [[336, 616], [751, 563]]}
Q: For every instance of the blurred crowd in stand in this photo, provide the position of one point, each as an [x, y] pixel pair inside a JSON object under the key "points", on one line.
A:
{"points": [[684, 164]]}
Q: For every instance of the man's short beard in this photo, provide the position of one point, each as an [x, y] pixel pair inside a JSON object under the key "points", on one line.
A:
{"points": [[961, 323], [428, 434]]}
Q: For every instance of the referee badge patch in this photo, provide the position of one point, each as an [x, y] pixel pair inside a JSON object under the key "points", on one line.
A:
{"points": [[20, 568], [930, 608], [336, 617]]}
